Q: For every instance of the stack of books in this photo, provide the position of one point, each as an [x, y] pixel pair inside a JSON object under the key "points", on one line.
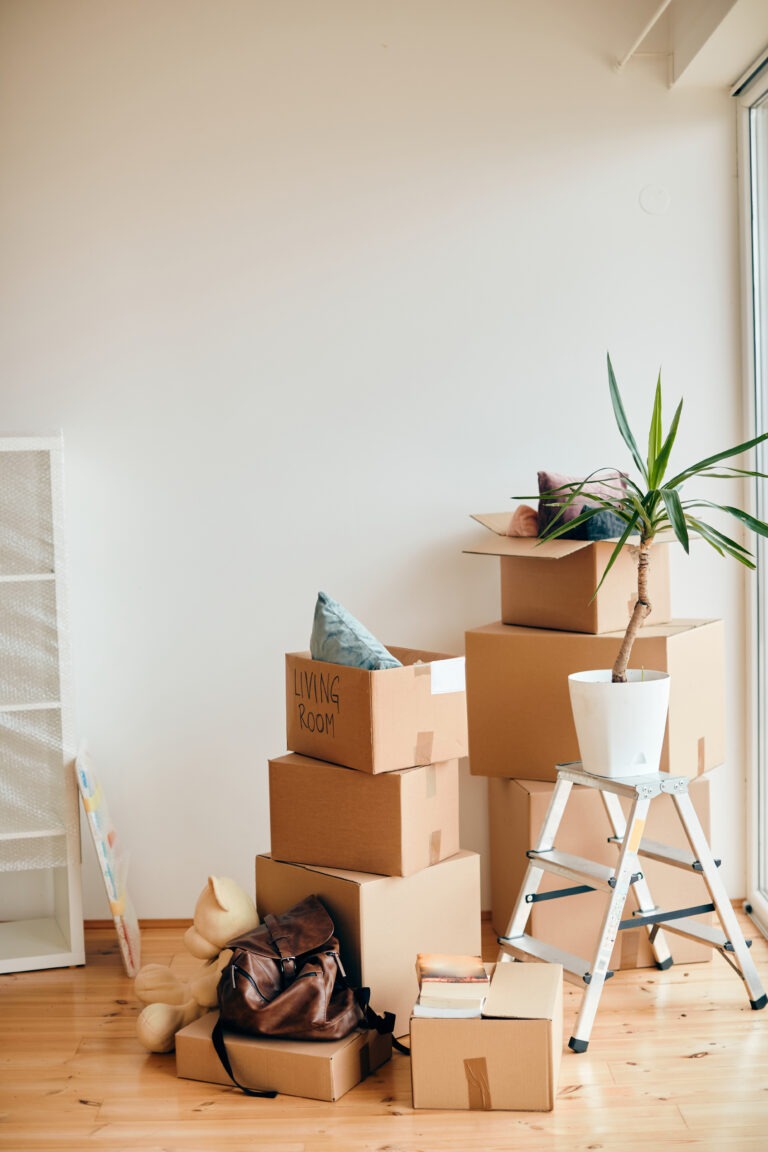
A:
{"points": [[450, 985]]}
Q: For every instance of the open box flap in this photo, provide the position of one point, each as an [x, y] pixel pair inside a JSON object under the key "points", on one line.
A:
{"points": [[523, 991], [502, 545]]}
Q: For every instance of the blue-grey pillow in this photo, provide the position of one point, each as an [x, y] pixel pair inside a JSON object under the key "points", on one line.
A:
{"points": [[604, 525], [338, 638]]}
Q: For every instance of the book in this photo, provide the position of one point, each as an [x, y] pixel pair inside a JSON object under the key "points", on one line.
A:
{"points": [[449, 967], [445, 994], [457, 1012], [451, 984]]}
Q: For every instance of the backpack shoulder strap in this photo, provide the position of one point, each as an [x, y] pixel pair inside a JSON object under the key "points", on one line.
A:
{"points": [[380, 1023], [217, 1036]]}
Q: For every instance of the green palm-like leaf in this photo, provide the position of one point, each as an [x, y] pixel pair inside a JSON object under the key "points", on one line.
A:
{"points": [[751, 522], [623, 423], [662, 459], [651, 505], [616, 552], [676, 515], [694, 522], [654, 435], [559, 527], [721, 543], [703, 465], [658, 505], [732, 474]]}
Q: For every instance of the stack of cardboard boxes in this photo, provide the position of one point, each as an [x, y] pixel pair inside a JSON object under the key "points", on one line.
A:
{"points": [[364, 813], [520, 724]]}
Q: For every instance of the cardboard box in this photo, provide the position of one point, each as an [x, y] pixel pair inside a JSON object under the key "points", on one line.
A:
{"points": [[382, 922], [551, 584], [319, 1071], [516, 811], [519, 708], [510, 1061], [394, 823], [377, 721]]}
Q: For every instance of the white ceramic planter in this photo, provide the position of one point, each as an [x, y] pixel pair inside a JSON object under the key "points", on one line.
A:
{"points": [[620, 727]]}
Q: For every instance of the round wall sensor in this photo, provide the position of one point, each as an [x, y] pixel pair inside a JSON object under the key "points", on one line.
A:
{"points": [[654, 199]]}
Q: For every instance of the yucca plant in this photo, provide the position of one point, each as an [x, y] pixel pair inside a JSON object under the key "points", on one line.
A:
{"points": [[655, 505]]}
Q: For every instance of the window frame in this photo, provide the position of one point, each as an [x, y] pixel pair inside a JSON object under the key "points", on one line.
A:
{"points": [[752, 95]]}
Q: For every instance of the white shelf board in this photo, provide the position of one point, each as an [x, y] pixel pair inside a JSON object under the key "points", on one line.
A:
{"points": [[31, 944]]}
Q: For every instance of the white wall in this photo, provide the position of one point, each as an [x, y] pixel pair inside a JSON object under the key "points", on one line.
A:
{"points": [[304, 284]]}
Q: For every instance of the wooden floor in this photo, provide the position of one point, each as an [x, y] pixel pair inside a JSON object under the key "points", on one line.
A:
{"points": [[677, 1060]]}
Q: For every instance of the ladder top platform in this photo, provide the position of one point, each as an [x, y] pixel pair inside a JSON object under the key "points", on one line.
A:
{"points": [[649, 785]]}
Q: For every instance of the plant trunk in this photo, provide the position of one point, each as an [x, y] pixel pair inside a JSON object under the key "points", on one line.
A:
{"points": [[639, 613]]}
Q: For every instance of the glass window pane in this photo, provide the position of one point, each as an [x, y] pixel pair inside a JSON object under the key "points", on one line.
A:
{"points": [[758, 163]]}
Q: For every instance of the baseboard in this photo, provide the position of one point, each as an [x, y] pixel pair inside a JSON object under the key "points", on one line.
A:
{"points": [[176, 925]]}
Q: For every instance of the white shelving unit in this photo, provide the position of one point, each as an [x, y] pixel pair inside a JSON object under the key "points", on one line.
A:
{"points": [[41, 917]]}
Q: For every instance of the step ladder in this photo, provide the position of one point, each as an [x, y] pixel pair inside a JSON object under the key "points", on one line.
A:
{"points": [[616, 883]]}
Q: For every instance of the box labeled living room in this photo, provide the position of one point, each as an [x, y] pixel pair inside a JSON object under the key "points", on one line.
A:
{"points": [[377, 720]]}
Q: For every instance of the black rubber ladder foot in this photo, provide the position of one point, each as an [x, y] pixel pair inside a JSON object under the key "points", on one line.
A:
{"points": [[664, 964], [578, 1045], [761, 1003]]}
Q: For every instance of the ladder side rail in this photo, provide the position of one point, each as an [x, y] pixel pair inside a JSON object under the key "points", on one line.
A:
{"points": [[627, 865], [533, 874], [720, 899], [641, 892]]}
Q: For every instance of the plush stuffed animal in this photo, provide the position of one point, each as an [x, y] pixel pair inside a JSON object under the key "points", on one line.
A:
{"points": [[223, 911]]}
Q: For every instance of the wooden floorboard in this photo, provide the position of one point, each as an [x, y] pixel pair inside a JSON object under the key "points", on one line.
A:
{"points": [[676, 1060]]}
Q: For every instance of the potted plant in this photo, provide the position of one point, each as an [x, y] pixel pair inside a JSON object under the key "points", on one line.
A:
{"points": [[608, 703]]}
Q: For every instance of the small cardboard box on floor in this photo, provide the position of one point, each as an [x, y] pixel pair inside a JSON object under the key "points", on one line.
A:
{"points": [[318, 1071], [382, 922], [516, 811], [551, 584], [519, 708], [394, 823], [508, 1059], [377, 721]]}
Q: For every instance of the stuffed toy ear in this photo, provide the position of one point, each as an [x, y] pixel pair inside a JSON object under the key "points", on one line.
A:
{"points": [[218, 891], [223, 911]]}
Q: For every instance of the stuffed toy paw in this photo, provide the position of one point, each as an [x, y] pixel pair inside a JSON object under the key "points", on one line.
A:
{"points": [[223, 911]]}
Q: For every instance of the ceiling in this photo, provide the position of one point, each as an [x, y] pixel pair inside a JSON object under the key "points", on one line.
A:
{"points": [[709, 43]]}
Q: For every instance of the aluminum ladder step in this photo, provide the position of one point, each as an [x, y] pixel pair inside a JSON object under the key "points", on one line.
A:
{"points": [[666, 854], [600, 876], [703, 932], [574, 965]]}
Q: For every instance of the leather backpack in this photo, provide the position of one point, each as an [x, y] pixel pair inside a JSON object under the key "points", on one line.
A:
{"points": [[285, 979]]}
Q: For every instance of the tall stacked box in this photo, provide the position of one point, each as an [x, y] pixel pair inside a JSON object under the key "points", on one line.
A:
{"points": [[520, 724], [364, 814]]}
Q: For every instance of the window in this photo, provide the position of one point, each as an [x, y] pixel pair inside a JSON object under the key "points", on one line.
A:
{"points": [[753, 167]]}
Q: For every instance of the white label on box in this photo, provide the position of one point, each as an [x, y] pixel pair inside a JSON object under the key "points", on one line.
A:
{"points": [[447, 676]]}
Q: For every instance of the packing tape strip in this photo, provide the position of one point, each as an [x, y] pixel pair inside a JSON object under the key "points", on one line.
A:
{"points": [[434, 847], [423, 750], [422, 669], [430, 781], [702, 754], [478, 1088], [636, 835]]}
